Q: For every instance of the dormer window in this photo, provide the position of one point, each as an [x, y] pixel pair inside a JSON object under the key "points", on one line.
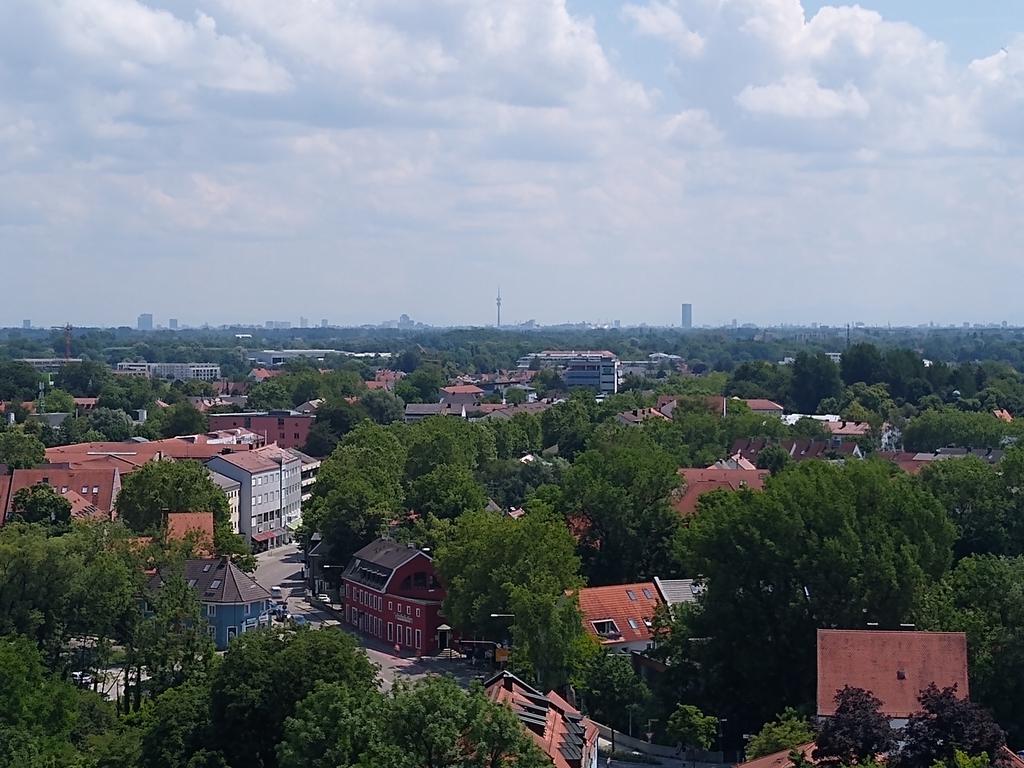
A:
{"points": [[605, 627]]}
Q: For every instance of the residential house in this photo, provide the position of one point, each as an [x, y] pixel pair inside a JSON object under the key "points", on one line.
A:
{"points": [[798, 450], [697, 482], [895, 666], [912, 463], [675, 592], [391, 592], [232, 490], [289, 429], [620, 615], [638, 416], [270, 493], [563, 734], [1003, 415], [418, 411], [92, 492], [461, 395], [232, 601]]}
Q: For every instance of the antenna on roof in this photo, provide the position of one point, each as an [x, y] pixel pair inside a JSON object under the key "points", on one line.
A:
{"points": [[498, 302]]}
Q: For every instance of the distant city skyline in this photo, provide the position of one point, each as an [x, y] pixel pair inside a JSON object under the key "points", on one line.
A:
{"points": [[779, 160]]}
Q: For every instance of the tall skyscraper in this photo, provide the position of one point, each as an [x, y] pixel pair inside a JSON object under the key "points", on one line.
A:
{"points": [[323, 323], [173, 323], [145, 322], [687, 316], [26, 324]]}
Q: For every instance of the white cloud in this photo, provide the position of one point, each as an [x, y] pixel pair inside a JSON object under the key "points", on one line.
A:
{"points": [[803, 98], [409, 153], [663, 22]]}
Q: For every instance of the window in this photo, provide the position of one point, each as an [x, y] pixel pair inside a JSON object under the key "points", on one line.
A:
{"points": [[191, 582], [85, 490], [408, 635], [391, 606], [647, 594], [391, 631], [215, 584], [296, 435], [211, 631], [95, 489], [417, 613], [605, 627], [211, 610], [206, 568], [633, 624], [419, 638], [247, 609], [631, 595]]}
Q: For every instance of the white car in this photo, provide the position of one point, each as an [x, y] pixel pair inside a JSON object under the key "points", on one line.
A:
{"points": [[276, 593], [83, 679]]}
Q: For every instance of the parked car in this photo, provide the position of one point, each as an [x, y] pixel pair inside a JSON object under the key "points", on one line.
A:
{"points": [[276, 593], [324, 598], [299, 621], [82, 679]]}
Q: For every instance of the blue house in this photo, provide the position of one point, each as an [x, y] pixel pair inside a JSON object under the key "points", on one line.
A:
{"points": [[232, 601]]}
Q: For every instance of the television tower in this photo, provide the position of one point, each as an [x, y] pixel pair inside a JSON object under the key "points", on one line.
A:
{"points": [[498, 302]]}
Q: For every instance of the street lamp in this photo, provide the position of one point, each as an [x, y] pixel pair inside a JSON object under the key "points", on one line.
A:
{"points": [[510, 644]]}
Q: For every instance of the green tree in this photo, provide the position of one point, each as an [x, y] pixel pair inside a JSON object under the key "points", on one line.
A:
{"points": [[822, 545], [774, 458], [181, 419], [435, 724], [422, 385], [19, 450], [264, 676], [947, 723], [358, 490], [612, 691], [171, 643], [84, 379], [159, 487], [514, 395], [984, 597], [858, 731], [114, 425], [37, 713], [41, 504], [58, 401], [568, 425], [177, 726], [333, 727], [691, 727], [974, 496], [19, 381], [446, 492], [815, 377], [934, 429], [788, 731], [861, 362], [489, 555], [618, 494], [444, 440], [382, 406]]}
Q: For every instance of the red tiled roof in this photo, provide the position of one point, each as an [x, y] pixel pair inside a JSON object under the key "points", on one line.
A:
{"points": [[376, 384], [760, 404], [556, 736], [894, 666], [96, 486], [262, 374], [614, 603], [1003, 415], [181, 524], [847, 428], [701, 481], [781, 759], [463, 389]]}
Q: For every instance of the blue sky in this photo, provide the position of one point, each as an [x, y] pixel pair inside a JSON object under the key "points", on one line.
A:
{"points": [[765, 160]]}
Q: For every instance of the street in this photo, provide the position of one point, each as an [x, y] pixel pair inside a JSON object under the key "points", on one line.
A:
{"points": [[282, 567]]}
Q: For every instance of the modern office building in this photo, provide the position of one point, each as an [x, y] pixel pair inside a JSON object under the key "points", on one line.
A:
{"points": [[687, 319], [270, 493], [26, 324], [173, 323], [172, 371], [145, 322], [596, 371], [289, 429], [48, 364]]}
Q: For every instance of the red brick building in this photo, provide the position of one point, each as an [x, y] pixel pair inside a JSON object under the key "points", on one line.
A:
{"points": [[392, 593], [289, 429]]}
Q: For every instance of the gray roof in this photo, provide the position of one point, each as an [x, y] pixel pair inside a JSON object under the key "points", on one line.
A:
{"points": [[223, 481], [305, 458], [678, 591], [373, 564], [217, 580], [424, 409]]}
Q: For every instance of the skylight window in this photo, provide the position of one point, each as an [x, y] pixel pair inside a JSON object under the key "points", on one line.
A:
{"points": [[215, 584], [631, 594], [633, 624], [647, 594]]}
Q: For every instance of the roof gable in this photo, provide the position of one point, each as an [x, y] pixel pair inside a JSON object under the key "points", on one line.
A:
{"points": [[629, 606]]}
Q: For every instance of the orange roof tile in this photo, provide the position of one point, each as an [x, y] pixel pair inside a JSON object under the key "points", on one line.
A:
{"points": [[701, 481], [894, 666], [96, 486], [629, 606]]}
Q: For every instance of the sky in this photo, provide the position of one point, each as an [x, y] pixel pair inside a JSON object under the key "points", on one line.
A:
{"points": [[765, 160]]}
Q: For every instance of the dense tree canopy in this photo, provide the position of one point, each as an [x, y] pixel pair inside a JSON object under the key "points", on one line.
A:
{"points": [[159, 487]]}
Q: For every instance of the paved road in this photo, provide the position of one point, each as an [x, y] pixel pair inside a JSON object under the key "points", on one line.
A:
{"points": [[282, 567]]}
